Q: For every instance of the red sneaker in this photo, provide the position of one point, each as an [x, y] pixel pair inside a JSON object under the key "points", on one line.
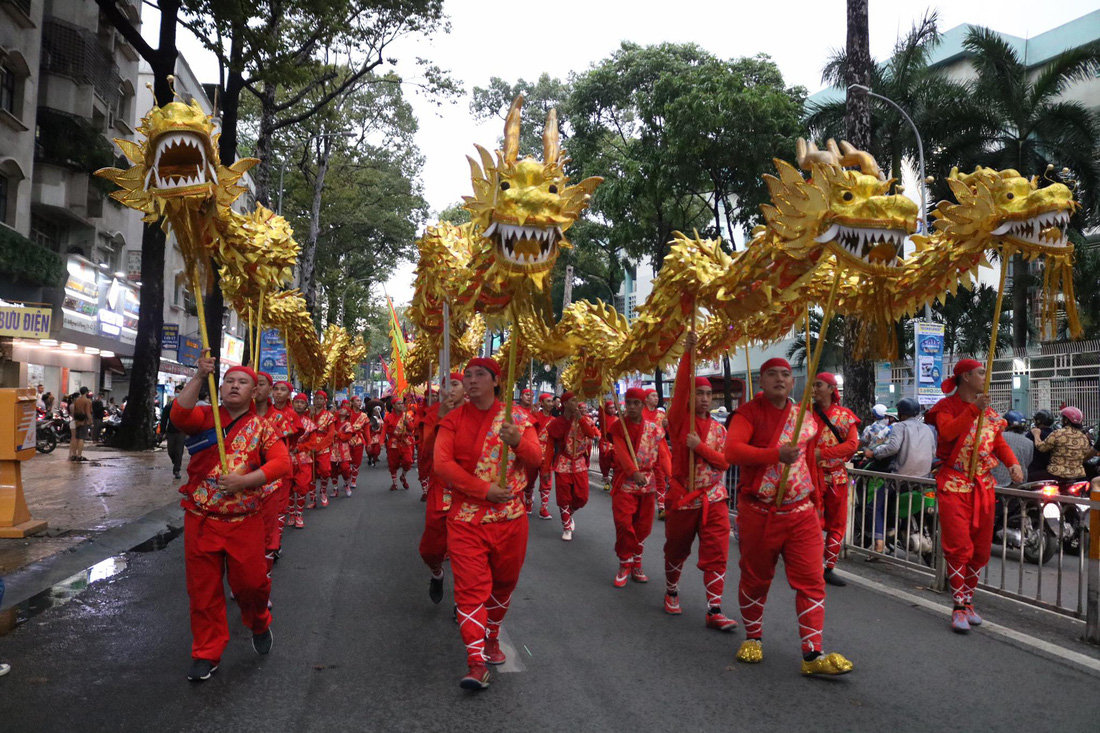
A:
{"points": [[493, 654], [299, 522], [311, 503], [404, 483], [476, 679], [622, 576], [672, 605], [393, 486], [424, 496], [720, 622], [324, 498], [544, 513], [638, 575]]}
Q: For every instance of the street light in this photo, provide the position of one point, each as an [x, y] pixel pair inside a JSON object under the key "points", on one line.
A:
{"points": [[311, 138], [861, 89]]}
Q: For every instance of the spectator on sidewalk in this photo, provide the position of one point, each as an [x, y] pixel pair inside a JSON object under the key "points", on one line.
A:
{"points": [[48, 400], [1068, 446], [98, 412], [878, 432], [1021, 446], [80, 411], [39, 397], [176, 439], [1044, 422], [912, 445]]}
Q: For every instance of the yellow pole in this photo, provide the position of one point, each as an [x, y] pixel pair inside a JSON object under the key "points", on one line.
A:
{"points": [[804, 405], [259, 328], [1005, 255], [691, 404], [212, 384], [509, 387], [748, 373]]}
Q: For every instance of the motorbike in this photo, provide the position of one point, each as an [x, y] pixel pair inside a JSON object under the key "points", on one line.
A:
{"points": [[910, 517], [1040, 525], [110, 425], [1074, 527], [59, 424], [45, 437]]}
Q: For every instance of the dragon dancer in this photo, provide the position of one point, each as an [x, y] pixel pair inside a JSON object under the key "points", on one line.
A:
{"points": [[608, 418], [277, 493], [965, 504], [543, 416], [358, 439], [696, 509], [302, 446], [223, 532], [571, 434], [635, 485], [398, 439], [433, 541], [487, 525], [322, 457], [837, 441], [526, 406], [761, 440]]}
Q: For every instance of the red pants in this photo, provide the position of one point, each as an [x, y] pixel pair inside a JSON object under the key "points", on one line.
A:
{"points": [[433, 542], [322, 467], [662, 486], [423, 458], [546, 481], [765, 536], [529, 487], [342, 469], [356, 460], [633, 515], [486, 560], [399, 458], [835, 520], [966, 532], [374, 450], [606, 457], [303, 484], [681, 528], [571, 493], [273, 513], [213, 548]]}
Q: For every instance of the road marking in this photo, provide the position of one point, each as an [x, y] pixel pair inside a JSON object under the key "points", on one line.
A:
{"points": [[513, 662], [1044, 647]]}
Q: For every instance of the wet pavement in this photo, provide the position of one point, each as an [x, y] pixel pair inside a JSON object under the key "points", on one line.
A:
{"points": [[82, 500], [358, 646]]}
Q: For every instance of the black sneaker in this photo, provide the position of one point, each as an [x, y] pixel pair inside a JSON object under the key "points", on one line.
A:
{"points": [[262, 642], [201, 670], [833, 579], [176, 475], [435, 589]]}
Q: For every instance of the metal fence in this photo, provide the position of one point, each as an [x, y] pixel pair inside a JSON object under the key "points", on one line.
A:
{"points": [[1040, 538]]}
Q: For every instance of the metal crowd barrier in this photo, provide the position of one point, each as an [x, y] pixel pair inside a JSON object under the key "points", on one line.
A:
{"points": [[1041, 540]]}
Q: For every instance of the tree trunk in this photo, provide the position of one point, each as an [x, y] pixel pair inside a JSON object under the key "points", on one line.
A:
{"points": [[1020, 282], [859, 376], [728, 383], [309, 252], [261, 174], [658, 379], [138, 428]]}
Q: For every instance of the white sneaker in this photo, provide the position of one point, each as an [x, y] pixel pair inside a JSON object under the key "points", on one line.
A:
{"points": [[567, 535], [4, 669]]}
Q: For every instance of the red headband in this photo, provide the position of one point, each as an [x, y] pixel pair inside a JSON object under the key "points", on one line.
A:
{"points": [[301, 396], [829, 379], [270, 380], [527, 391], [964, 366], [774, 362], [702, 382], [289, 386], [243, 370], [636, 393], [545, 396], [566, 396], [320, 393], [487, 364], [457, 377]]}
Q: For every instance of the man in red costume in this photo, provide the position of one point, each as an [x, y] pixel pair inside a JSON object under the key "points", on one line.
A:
{"points": [[652, 399], [638, 448], [357, 441], [697, 509], [965, 504], [398, 439], [487, 524], [571, 434], [322, 457], [762, 441], [276, 494], [433, 541], [526, 405], [608, 417], [341, 448], [423, 456], [544, 472], [281, 393], [223, 532], [837, 441], [301, 458], [374, 435]]}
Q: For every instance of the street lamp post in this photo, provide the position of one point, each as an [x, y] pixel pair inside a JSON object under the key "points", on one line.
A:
{"points": [[861, 89]]}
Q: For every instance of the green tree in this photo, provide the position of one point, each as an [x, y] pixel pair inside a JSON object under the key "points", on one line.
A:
{"points": [[967, 317], [1016, 118], [539, 98], [455, 213], [832, 355]]}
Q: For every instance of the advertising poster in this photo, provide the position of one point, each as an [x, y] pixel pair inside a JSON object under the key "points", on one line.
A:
{"points": [[928, 361], [170, 337], [273, 358], [189, 351]]}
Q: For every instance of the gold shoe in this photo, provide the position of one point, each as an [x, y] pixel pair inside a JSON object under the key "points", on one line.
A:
{"points": [[752, 652], [829, 664]]}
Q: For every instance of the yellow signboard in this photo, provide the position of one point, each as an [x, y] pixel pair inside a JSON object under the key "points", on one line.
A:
{"points": [[25, 322]]}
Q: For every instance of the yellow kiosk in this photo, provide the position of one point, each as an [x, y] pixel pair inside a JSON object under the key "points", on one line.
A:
{"points": [[17, 440]]}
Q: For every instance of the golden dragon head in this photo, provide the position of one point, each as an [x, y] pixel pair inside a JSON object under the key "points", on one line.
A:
{"points": [[524, 207], [850, 212]]}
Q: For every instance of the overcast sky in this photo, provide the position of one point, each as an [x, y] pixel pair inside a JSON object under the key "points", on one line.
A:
{"points": [[570, 35]]}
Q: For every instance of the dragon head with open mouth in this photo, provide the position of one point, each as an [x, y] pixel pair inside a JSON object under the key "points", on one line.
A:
{"points": [[524, 207]]}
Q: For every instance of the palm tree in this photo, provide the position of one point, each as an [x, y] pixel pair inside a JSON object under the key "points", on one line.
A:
{"points": [[967, 317], [1086, 276], [832, 357], [1012, 118]]}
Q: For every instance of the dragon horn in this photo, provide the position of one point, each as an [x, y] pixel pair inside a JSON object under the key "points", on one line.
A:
{"points": [[551, 147], [865, 161], [511, 131], [807, 154]]}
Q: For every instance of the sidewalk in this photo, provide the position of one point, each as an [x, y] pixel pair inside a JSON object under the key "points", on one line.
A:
{"points": [[83, 500]]}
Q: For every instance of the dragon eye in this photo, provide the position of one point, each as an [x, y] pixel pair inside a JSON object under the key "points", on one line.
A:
{"points": [[553, 188], [847, 196], [504, 186], [1010, 196]]}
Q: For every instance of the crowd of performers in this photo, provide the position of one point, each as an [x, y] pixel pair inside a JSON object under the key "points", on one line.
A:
{"points": [[479, 473]]}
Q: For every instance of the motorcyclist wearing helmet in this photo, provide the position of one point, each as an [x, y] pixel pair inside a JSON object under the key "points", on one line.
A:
{"points": [[1021, 445], [912, 445], [1044, 421], [1068, 446]]}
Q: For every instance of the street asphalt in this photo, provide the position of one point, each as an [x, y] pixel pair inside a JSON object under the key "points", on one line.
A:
{"points": [[358, 646]]}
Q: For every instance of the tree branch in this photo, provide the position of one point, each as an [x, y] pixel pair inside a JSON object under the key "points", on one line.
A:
{"points": [[123, 25]]}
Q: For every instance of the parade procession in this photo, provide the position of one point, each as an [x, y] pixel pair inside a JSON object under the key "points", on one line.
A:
{"points": [[549, 480]]}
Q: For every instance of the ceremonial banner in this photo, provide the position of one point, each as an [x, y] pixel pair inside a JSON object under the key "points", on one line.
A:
{"points": [[928, 361], [273, 357]]}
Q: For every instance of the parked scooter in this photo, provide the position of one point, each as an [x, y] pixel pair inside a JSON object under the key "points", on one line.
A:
{"points": [[110, 426], [910, 517], [1037, 525], [45, 437], [59, 424]]}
